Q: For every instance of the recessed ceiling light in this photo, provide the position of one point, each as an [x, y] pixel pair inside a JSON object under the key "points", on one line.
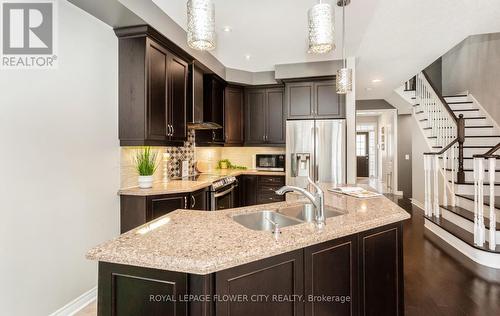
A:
{"points": [[376, 80], [227, 29], [247, 56]]}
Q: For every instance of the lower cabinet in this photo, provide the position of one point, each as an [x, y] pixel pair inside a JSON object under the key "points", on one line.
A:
{"points": [[280, 275], [138, 210], [260, 189], [360, 274]]}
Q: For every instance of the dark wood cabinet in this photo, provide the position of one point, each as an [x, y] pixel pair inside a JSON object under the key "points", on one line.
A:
{"points": [[199, 200], [132, 291], [359, 274], [152, 93], [260, 189], [279, 275], [233, 115], [381, 271], [178, 76], [265, 116], [138, 210], [331, 269], [314, 99]]}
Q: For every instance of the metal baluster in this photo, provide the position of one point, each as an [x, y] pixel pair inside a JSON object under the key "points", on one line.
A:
{"points": [[493, 217]]}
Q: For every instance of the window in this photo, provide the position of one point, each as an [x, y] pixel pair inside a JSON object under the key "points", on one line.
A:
{"points": [[361, 145]]}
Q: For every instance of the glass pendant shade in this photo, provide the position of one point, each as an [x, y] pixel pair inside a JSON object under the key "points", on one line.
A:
{"points": [[344, 80], [201, 24], [321, 29]]}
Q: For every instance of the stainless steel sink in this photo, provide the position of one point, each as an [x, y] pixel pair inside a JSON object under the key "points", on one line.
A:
{"points": [[258, 221], [305, 212]]}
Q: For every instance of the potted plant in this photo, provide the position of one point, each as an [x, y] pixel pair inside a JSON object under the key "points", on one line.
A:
{"points": [[146, 164]]}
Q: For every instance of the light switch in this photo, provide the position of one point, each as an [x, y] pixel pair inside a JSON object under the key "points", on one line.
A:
{"points": [[407, 157]]}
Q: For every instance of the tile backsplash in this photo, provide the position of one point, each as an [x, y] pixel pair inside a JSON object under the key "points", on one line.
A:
{"points": [[243, 156], [128, 173]]}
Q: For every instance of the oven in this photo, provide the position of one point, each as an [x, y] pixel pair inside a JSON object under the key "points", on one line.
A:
{"points": [[223, 194], [270, 162]]}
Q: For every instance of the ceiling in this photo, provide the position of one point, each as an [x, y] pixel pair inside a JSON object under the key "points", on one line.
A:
{"points": [[391, 40]]}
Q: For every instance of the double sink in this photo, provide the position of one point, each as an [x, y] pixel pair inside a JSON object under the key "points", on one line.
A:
{"points": [[287, 216]]}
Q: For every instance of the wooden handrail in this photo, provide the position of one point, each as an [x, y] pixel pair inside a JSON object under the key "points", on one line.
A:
{"points": [[442, 151], [490, 153], [445, 104]]}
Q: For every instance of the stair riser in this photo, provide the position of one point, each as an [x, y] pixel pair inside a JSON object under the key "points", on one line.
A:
{"points": [[469, 175], [469, 189], [462, 106], [469, 205], [480, 131], [457, 99], [468, 113], [465, 223], [469, 152], [482, 141], [477, 122]]}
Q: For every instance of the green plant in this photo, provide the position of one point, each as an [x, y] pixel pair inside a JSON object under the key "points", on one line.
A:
{"points": [[229, 165], [145, 162]]}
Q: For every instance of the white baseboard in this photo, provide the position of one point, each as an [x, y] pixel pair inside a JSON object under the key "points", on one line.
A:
{"points": [[77, 304], [484, 258], [417, 204], [398, 193]]}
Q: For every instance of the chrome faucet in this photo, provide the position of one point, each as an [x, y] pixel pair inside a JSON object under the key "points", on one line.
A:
{"points": [[317, 199]]}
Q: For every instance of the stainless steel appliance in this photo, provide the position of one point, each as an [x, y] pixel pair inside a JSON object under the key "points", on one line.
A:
{"points": [[315, 148], [270, 162], [223, 194]]}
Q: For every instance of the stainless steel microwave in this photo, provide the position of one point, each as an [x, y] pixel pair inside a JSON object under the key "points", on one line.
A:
{"points": [[270, 162]]}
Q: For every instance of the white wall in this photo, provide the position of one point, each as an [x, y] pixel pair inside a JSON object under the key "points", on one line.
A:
{"points": [[60, 168]]}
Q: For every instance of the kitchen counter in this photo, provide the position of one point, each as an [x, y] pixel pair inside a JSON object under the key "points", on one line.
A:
{"points": [[186, 186], [200, 242]]}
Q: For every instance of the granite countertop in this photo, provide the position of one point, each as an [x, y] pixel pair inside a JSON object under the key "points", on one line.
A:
{"points": [[201, 242], [186, 186]]}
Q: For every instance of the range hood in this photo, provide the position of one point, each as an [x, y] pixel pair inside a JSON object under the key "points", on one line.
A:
{"points": [[198, 120], [203, 125]]}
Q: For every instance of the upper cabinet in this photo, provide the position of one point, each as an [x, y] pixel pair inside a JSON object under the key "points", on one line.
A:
{"points": [[213, 110], [233, 116], [265, 116], [152, 92], [314, 99]]}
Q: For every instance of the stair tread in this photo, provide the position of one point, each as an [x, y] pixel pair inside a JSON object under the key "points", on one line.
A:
{"points": [[460, 233], [481, 136], [462, 110], [469, 215], [455, 96], [472, 183], [470, 170], [460, 102], [486, 199]]}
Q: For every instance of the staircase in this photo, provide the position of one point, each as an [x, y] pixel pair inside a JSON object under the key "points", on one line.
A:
{"points": [[461, 205]]}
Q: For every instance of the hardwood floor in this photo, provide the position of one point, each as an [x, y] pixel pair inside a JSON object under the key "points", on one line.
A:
{"points": [[436, 284]]}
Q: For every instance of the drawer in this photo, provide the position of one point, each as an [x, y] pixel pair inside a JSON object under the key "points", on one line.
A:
{"points": [[275, 180], [262, 199]]}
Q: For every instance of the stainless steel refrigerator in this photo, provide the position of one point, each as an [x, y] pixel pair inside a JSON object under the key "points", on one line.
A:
{"points": [[315, 148]]}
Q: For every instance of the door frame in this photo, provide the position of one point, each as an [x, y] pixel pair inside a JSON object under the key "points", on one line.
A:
{"points": [[394, 113], [367, 151]]}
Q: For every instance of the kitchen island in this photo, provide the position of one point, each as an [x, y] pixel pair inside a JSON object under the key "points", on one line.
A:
{"points": [[205, 263]]}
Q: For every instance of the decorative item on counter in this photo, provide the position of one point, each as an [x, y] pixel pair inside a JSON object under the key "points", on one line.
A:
{"points": [[185, 168], [226, 164], [166, 159], [355, 192], [146, 164]]}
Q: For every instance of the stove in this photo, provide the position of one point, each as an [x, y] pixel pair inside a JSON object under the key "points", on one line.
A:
{"points": [[222, 193]]}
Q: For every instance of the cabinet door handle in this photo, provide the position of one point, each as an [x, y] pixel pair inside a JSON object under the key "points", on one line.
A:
{"points": [[169, 130], [185, 202], [264, 137], [193, 201]]}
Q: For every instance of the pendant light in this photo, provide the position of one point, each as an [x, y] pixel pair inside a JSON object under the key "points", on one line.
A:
{"points": [[320, 20], [344, 75], [201, 24]]}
